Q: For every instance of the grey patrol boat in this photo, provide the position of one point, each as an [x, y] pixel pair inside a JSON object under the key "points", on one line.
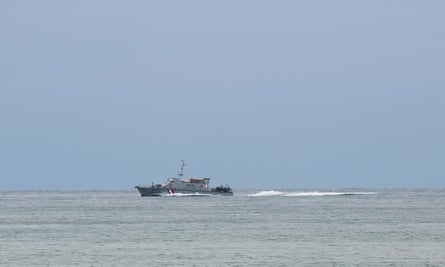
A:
{"points": [[183, 187]]}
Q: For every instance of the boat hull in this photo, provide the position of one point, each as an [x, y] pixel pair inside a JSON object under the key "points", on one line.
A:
{"points": [[153, 191]]}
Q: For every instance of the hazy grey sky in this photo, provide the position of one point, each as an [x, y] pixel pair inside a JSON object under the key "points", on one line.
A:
{"points": [[258, 94]]}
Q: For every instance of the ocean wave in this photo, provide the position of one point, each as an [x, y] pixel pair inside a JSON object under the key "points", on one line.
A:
{"points": [[306, 194]]}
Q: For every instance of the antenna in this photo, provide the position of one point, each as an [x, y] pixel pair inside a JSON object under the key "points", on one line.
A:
{"points": [[181, 171]]}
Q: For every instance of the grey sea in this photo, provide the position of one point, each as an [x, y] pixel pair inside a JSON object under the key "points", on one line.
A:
{"points": [[252, 228]]}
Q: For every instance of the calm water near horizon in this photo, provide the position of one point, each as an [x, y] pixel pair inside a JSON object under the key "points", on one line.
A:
{"points": [[252, 228]]}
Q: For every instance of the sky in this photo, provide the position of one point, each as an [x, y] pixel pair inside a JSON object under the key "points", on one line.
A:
{"points": [[105, 95]]}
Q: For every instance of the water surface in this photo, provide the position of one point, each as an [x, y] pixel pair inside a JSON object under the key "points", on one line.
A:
{"points": [[252, 228]]}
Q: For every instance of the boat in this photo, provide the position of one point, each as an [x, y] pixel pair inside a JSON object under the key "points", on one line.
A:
{"points": [[178, 186]]}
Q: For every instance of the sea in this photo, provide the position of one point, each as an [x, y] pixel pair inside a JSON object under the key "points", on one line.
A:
{"points": [[347, 227]]}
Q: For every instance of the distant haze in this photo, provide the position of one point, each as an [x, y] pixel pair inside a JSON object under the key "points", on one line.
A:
{"points": [[256, 94]]}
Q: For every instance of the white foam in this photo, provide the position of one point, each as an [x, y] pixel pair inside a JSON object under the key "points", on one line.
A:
{"points": [[267, 194], [306, 194], [314, 194]]}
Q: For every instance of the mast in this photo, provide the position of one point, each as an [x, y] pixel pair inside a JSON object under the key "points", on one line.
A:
{"points": [[181, 171]]}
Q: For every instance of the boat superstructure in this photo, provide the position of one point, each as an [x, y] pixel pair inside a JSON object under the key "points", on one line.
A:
{"points": [[180, 186]]}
